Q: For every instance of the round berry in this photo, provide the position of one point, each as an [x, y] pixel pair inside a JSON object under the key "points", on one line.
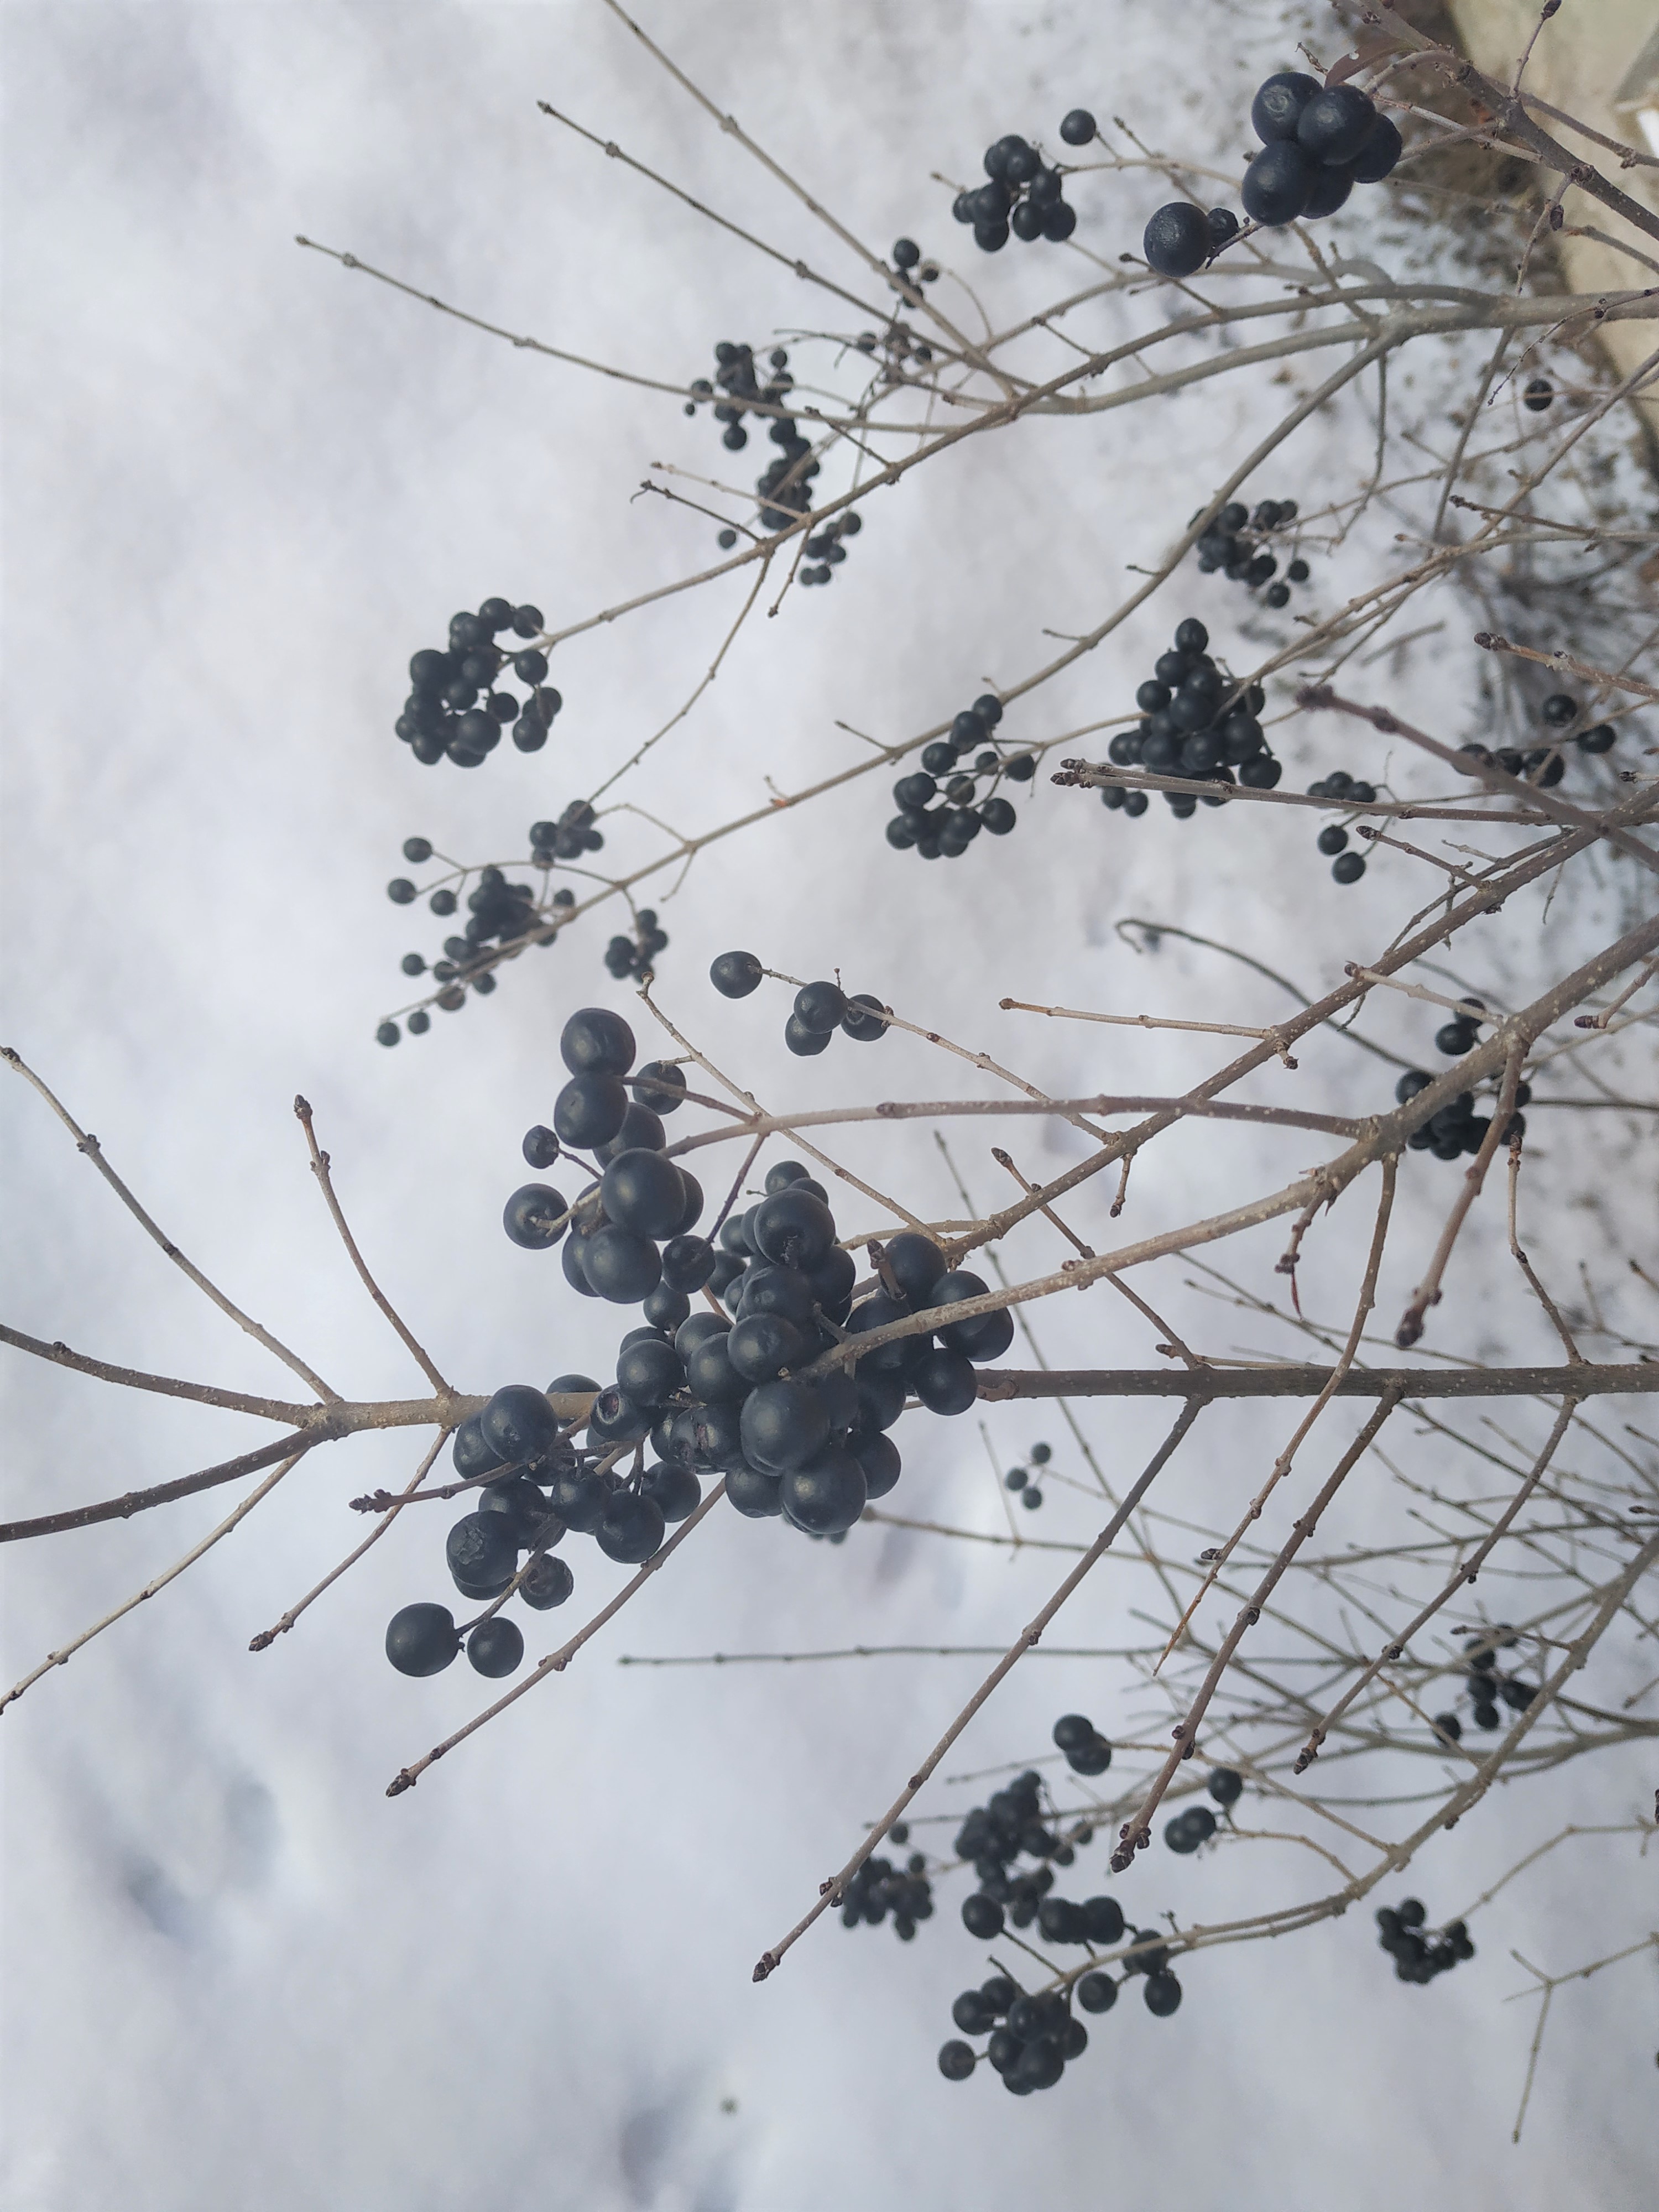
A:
{"points": [[1162, 1994], [496, 1647], [631, 1529], [735, 975], [596, 1040], [1334, 125], [1277, 108], [420, 1639], [1379, 154], [535, 1217], [1078, 128], [827, 1495], [547, 1582], [1348, 868], [1328, 192], [1176, 241], [590, 1109], [1277, 183], [517, 1423], [620, 1265]]}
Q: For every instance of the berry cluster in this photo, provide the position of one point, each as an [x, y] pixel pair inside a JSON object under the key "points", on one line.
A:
{"points": [[825, 549], [566, 839], [712, 1396], [1418, 1957], [1086, 1751], [514, 1459], [1190, 1830], [1032, 2038], [917, 268], [1020, 1480], [499, 911], [455, 706], [1196, 722], [1488, 1687], [951, 826], [879, 1887], [1458, 1128], [784, 487], [1008, 1825], [1547, 763], [1023, 196], [1234, 544], [820, 1009], [1346, 867], [1318, 143], [636, 955]]}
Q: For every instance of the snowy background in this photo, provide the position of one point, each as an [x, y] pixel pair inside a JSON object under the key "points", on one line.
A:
{"points": [[241, 486]]}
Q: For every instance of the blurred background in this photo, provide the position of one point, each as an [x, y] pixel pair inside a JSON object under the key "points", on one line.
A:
{"points": [[241, 486]]}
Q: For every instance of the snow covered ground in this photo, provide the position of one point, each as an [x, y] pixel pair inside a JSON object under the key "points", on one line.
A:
{"points": [[242, 487]]}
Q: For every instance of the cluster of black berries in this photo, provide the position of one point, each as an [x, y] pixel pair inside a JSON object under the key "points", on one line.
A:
{"points": [[1188, 1830], [1196, 722], [1032, 2038], [947, 829], [824, 550], [992, 1838], [897, 342], [918, 268], [712, 1396], [636, 955], [1547, 763], [1318, 143], [515, 1459], [566, 839], [1023, 196], [499, 911], [1038, 2035], [879, 1887], [1234, 543], [1418, 1957], [1489, 1686], [1086, 1751], [1346, 867], [1021, 1481], [820, 1009], [784, 487], [455, 706], [1458, 1128]]}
